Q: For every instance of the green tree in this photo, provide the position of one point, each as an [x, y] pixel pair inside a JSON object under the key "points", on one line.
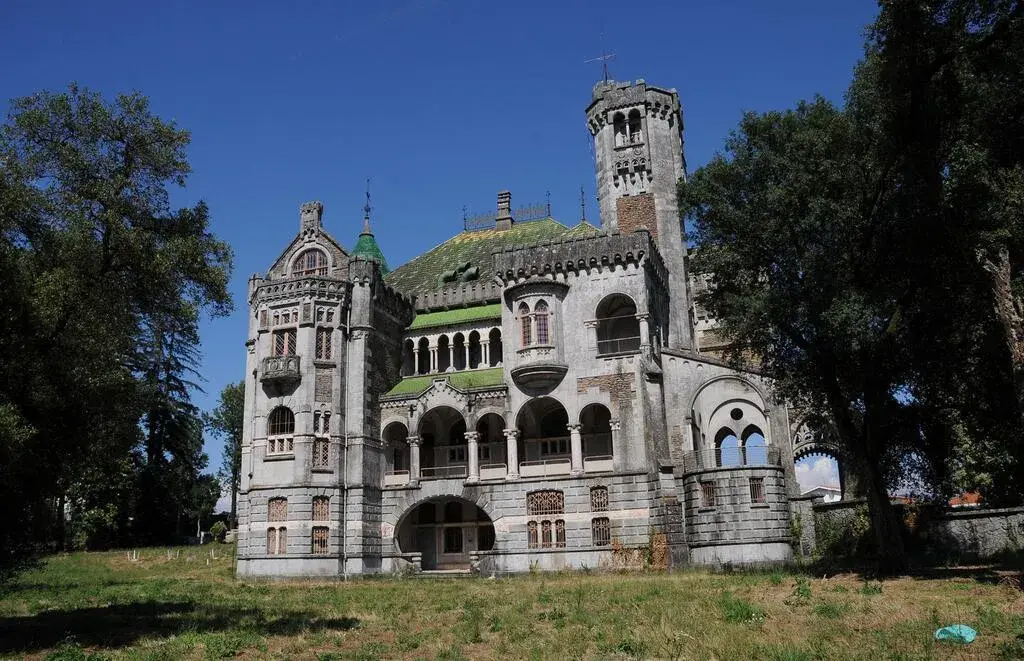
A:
{"points": [[227, 422], [92, 257]]}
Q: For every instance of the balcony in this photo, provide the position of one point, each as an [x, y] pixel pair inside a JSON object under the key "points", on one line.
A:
{"points": [[539, 368], [615, 346], [601, 463], [281, 370], [396, 478], [741, 457], [545, 467]]}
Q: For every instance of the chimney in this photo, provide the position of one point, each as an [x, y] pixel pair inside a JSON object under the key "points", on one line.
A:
{"points": [[503, 220], [310, 216]]}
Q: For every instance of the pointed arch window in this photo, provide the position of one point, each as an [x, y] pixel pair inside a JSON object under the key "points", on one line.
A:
{"points": [[540, 316], [526, 324], [310, 262]]}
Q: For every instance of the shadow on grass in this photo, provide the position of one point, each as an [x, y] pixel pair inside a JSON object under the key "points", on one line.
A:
{"points": [[121, 625]]}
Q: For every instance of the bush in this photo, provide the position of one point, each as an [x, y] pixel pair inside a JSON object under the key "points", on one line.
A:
{"points": [[219, 530]]}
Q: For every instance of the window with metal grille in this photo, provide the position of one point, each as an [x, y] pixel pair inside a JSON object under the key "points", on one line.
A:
{"points": [[757, 490], [601, 531], [277, 509], [545, 534], [284, 342], [531, 535], [525, 322], [599, 499], [707, 494], [323, 343], [277, 541], [310, 262], [320, 537], [545, 502], [540, 316], [321, 508], [320, 314], [560, 534], [321, 453]]}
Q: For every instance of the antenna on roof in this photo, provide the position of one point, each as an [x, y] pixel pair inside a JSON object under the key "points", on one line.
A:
{"points": [[603, 59], [366, 209], [583, 205], [548, 195]]}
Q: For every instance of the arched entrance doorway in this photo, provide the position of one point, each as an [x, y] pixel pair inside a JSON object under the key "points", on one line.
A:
{"points": [[445, 530]]}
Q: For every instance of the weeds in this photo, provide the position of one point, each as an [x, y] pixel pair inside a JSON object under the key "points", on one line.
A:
{"points": [[739, 611]]}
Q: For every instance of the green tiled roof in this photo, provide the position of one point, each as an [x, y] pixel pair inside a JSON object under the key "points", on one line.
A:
{"points": [[367, 247], [423, 273], [468, 380], [458, 316]]}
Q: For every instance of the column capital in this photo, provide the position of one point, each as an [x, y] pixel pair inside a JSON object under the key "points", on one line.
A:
{"points": [[512, 434], [413, 440], [472, 436], [590, 323], [615, 425], [574, 427]]}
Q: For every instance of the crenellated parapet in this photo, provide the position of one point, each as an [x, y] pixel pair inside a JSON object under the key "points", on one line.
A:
{"points": [[611, 95], [367, 273], [463, 295], [603, 251]]}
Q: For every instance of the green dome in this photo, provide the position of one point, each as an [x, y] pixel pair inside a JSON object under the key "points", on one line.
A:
{"points": [[367, 248]]}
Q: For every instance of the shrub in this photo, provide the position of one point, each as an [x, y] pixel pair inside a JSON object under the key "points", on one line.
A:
{"points": [[218, 530]]}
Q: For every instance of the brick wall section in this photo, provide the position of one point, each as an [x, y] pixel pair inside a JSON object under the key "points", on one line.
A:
{"points": [[636, 211], [620, 387]]}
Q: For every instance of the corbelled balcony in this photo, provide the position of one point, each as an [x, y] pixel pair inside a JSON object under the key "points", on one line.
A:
{"points": [[281, 370]]}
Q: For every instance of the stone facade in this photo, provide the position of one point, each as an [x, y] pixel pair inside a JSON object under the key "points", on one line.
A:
{"points": [[524, 396]]}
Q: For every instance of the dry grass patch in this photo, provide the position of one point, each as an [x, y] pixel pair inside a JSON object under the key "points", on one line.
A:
{"points": [[103, 606]]}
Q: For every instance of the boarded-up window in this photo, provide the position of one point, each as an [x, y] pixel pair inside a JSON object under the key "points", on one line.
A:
{"points": [[320, 536], [323, 386], [545, 502], [277, 509], [277, 541], [601, 531], [321, 508], [757, 490], [707, 494]]}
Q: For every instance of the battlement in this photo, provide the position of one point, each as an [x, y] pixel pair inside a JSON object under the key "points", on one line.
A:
{"points": [[463, 295], [657, 102], [583, 254]]}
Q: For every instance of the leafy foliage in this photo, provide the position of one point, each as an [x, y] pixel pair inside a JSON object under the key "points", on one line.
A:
{"points": [[101, 287], [227, 421]]}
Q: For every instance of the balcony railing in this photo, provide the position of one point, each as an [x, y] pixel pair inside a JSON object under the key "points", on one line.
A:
{"points": [[443, 472], [545, 467], [396, 478], [281, 369], [598, 463], [618, 345], [493, 471], [753, 455]]}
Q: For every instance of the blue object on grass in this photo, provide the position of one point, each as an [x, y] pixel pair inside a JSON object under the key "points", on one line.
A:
{"points": [[959, 633]]}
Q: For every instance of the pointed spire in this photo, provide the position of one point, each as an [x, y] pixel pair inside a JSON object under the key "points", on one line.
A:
{"points": [[366, 210]]}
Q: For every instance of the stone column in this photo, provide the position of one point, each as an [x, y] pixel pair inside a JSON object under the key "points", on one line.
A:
{"points": [[474, 459], [591, 327], [451, 356], [414, 459], [645, 329], [576, 446], [512, 453], [615, 427], [465, 346], [485, 353], [433, 359], [415, 360]]}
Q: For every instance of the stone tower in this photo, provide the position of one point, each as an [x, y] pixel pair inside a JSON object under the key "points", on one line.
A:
{"points": [[638, 150]]}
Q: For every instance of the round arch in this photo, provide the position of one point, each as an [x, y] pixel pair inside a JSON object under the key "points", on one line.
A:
{"points": [[444, 530], [443, 451], [310, 261], [596, 431], [618, 329]]}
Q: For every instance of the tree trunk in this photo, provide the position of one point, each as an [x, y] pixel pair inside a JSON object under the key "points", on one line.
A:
{"points": [[892, 556], [1008, 314], [234, 501]]}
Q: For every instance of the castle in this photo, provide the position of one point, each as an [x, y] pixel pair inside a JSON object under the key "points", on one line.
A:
{"points": [[526, 395]]}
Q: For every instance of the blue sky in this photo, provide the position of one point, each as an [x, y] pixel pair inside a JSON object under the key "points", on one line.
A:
{"points": [[441, 102]]}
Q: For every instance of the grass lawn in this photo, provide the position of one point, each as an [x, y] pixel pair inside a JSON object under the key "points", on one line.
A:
{"points": [[101, 605]]}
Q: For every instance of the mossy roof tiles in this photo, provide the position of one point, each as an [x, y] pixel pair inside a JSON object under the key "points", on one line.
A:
{"points": [[468, 380], [367, 247], [457, 316], [422, 274]]}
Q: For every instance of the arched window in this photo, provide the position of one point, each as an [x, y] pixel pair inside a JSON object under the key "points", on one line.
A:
{"points": [[545, 534], [618, 329], [494, 352], [444, 354], [280, 428], [755, 449], [525, 324], [531, 534], [310, 262], [727, 448], [560, 534], [540, 315], [409, 358], [423, 356], [636, 135], [619, 122]]}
